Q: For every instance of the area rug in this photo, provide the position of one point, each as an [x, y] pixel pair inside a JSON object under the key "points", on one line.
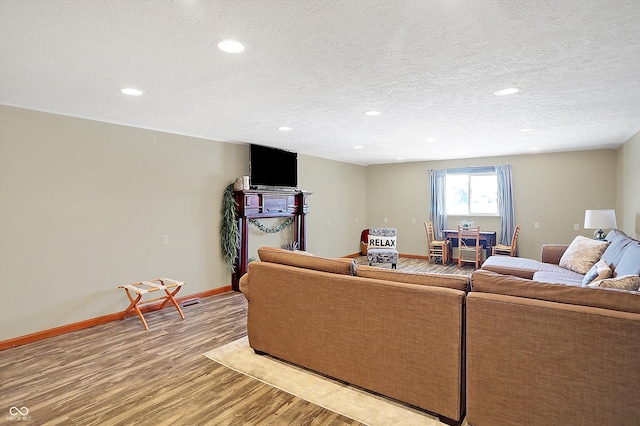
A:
{"points": [[367, 408]]}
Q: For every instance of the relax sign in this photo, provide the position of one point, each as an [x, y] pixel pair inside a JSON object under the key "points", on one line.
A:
{"points": [[382, 242]]}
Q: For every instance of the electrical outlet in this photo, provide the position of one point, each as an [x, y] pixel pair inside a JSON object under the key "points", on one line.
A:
{"points": [[357, 220], [576, 227], [413, 221], [386, 220], [165, 239], [536, 225]]}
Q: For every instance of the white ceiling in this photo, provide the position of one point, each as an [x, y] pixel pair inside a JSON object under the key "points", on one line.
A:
{"points": [[430, 66]]}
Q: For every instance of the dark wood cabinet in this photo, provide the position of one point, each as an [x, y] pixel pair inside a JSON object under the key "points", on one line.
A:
{"points": [[257, 204]]}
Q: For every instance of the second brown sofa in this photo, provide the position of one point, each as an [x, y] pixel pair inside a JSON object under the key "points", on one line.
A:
{"points": [[403, 340]]}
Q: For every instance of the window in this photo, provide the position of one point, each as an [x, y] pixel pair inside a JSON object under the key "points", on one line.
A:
{"points": [[472, 194]]}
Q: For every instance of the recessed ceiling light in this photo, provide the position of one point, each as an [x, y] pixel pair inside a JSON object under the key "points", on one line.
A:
{"points": [[526, 130], [372, 112], [231, 46], [285, 128], [131, 91], [534, 148], [400, 158], [431, 139], [507, 91], [358, 147]]}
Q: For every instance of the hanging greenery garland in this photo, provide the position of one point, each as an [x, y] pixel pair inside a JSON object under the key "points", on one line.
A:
{"points": [[229, 237], [273, 230]]}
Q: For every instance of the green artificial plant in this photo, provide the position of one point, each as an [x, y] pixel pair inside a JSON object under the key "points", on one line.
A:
{"points": [[229, 237]]}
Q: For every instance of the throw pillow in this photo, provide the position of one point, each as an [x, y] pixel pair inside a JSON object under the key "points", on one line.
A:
{"points": [[616, 249], [582, 254], [624, 282], [599, 271]]}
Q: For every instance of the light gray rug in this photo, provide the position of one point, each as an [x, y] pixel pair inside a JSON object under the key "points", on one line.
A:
{"points": [[351, 402]]}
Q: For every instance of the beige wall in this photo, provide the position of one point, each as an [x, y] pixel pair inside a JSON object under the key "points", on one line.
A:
{"points": [[337, 213], [84, 206], [628, 199], [551, 189]]}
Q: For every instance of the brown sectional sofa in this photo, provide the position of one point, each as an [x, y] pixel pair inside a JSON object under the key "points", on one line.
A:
{"points": [[549, 354], [313, 312], [620, 252], [512, 351]]}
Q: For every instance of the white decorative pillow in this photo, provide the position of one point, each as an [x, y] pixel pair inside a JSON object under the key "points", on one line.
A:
{"points": [[582, 254], [376, 242], [599, 271], [623, 282]]}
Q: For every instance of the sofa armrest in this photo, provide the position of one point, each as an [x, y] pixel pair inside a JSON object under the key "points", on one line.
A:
{"points": [[551, 253], [244, 285]]}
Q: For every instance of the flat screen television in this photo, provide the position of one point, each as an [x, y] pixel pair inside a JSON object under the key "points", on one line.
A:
{"points": [[272, 167]]}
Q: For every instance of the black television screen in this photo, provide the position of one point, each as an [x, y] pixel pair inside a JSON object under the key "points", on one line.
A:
{"points": [[272, 167]]}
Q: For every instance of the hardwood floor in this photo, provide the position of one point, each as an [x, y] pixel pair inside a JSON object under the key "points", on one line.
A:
{"points": [[411, 264], [119, 374]]}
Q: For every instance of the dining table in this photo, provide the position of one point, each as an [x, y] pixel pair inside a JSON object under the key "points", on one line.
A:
{"points": [[487, 239]]}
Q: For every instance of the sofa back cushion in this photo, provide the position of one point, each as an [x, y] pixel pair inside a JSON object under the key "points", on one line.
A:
{"points": [[617, 300], [616, 249], [341, 266], [456, 282], [630, 261]]}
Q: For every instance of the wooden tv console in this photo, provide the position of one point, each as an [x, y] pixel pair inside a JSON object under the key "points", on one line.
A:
{"points": [[259, 204]]}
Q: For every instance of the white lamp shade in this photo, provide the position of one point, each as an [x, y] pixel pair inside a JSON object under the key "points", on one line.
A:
{"points": [[600, 219]]}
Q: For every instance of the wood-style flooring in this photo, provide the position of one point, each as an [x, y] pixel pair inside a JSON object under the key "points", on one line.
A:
{"points": [[409, 264], [119, 374]]}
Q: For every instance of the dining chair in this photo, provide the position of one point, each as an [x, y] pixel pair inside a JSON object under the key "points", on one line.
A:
{"points": [[504, 250], [436, 248], [469, 244]]}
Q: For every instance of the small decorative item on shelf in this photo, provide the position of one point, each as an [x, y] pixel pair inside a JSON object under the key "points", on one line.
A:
{"points": [[466, 224], [238, 185], [245, 183]]}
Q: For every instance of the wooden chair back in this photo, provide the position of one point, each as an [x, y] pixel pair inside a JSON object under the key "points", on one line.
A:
{"points": [[514, 240], [508, 250], [469, 242], [436, 248]]}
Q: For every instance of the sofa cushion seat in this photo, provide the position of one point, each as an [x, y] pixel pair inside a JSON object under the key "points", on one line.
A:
{"points": [[559, 277], [521, 266], [517, 266]]}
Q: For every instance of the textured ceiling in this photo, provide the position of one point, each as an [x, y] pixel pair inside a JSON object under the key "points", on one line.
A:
{"points": [[431, 67]]}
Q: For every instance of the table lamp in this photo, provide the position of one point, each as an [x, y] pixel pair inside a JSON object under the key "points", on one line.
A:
{"points": [[599, 219]]}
